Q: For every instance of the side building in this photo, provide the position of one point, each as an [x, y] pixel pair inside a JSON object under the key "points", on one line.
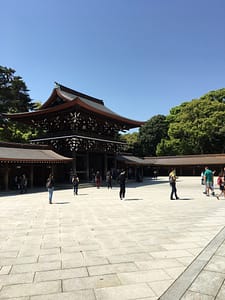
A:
{"points": [[36, 162], [80, 127]]}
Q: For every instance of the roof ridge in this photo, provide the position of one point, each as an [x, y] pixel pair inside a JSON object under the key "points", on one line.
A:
{"points": [[78, 94]]}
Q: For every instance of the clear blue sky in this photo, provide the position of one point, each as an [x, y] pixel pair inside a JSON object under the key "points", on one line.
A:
{"points": [[142, 57]]}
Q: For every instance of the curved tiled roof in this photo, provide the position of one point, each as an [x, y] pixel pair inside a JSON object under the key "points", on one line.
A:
{"points": [[72, 98], [188, 160], [22, 153]]}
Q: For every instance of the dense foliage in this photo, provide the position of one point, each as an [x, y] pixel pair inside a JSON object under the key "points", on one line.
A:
{"points": [[151, 134], [14, 98], [196, 127]]}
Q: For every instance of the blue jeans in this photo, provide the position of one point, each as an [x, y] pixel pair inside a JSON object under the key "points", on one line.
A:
{"points": [[50, 193]]}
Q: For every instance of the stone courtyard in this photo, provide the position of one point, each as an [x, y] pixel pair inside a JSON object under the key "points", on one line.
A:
{"points": [[96, 247]]}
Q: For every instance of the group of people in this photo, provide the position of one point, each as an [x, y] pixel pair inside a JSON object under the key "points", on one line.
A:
{"points": [[207, 179], [209, 182], [21, 183], [121, 180], [50, 183]]}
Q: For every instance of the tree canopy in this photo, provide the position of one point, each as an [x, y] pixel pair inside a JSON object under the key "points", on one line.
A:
{"points": [[14, 97], [196, 127], [151, 134]]}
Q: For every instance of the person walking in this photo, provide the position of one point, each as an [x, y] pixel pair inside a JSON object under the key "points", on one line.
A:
{"points": [[23, 184], [122, 182], [220, 182], [208, 179], [75, 182], [172, 181], [98, 179], [109, 179], [50, 186]]}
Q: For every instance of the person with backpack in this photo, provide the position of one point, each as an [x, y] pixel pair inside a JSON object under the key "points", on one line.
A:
{"points": [[75, 182], [172, 181]]}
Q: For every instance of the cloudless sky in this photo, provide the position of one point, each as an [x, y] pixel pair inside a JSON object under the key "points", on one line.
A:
{"points": [[142, 57]]}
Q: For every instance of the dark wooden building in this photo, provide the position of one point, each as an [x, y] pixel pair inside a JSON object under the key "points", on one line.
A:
{"points": [[81, 127], [186, 165], [35, 161]]}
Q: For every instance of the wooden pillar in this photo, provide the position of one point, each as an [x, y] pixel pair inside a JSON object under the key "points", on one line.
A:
{"points": [[31, 176], [115, 163], [87, 166], [6, 178], [74, 163], [105, 164]]}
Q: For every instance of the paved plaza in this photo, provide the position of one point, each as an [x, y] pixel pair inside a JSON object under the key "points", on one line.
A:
{"points": [[96, 247]]}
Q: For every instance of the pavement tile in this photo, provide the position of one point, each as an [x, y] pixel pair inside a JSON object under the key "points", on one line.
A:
{"points": [[221, 294], [185, 260], [158, 264], [189, 295], [83, 262], [60, 274], [8, 254], [221, 250], [5, 270], [216, 264], [180, 246], [21, 290], [207, 283], [77, 295], [129, 257], [175, 272], [125, 292], [112, 268], [18, 260], [90, 282], [36, 267], [49, 257], [143, 276], [16, 278], [159, 287], [170, 254]]}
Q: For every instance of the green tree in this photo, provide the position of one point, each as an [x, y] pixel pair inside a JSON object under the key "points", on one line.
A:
{"points": [[196, 127], [14, 98], [132, 141], [151, 134]]}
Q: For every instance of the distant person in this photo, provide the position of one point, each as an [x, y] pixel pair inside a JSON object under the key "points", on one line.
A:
{"points": [[155, 174], [220, 182], [50, 186], [109, 180], [98, 179], [23, 184], [172, 181], [202, 178], [75, 182], [208, 179], [122, 182]]}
